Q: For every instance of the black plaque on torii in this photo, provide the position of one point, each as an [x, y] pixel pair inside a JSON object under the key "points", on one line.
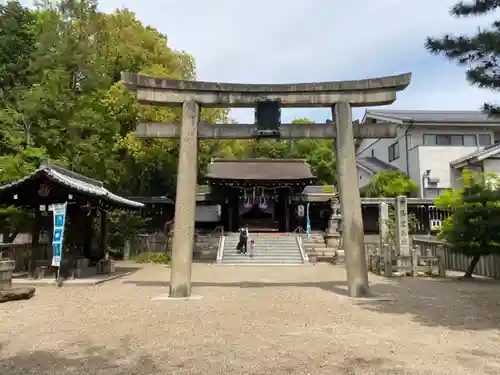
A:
{"points": [[267, 119]]}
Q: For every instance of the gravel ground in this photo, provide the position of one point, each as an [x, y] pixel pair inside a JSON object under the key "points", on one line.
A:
{"points": [[251, 320]]}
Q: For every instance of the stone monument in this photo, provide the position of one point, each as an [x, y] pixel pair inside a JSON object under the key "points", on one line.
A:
{"points": [[340, 96]]}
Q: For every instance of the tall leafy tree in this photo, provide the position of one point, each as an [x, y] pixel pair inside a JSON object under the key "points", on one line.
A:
{"points": [[480, 53], [17, 42], [474, 228], [62, 99]]}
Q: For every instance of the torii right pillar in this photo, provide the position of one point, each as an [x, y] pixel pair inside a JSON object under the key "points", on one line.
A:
{"points": [[350, 202]]}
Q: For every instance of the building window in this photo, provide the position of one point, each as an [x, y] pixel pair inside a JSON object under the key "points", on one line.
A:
{"points": [[433, 192], [393, 151], [470, 140], [449, 140], [484, 139]]}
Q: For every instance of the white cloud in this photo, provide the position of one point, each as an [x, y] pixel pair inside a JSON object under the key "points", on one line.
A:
{"points": [[270, 41]]}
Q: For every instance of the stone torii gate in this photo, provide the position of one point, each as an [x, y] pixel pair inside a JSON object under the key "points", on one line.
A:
{"points": [[267, 99]]}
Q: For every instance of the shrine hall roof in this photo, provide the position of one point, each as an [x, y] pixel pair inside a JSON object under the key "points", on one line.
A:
{"points": [[259, 169], [73, 181]]}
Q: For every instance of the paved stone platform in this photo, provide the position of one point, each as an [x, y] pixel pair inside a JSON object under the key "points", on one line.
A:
{"points": [[251, 320]]}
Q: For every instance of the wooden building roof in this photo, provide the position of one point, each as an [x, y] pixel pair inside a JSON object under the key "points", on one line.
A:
{"points": [[261, 169], [51, 184]]}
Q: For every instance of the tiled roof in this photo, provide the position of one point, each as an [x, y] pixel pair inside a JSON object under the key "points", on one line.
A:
{"points": [[427, 116], [479, 155], [74, 181], [375, 165], [259, 169]]}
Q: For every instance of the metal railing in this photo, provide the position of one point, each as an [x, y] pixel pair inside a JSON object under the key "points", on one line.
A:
{"points": [[303, 253], [220, 248]]}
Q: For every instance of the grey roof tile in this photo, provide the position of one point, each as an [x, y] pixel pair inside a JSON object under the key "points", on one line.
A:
{"points": [[375, 165], [259, 169], [72, 180], [435, 116]]}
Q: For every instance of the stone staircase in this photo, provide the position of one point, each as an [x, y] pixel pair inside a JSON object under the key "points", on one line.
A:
{"points": [[269, 248], [316, 248]]}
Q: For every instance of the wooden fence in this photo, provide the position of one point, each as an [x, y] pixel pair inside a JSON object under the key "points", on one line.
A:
{"points": [[427, 215], [488, 266], [20, 253], [151, 243]]}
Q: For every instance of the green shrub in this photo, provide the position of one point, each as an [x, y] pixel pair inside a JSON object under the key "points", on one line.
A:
{"points": [[152, 258]]}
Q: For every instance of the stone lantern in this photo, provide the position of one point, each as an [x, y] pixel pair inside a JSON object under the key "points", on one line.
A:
{"points": [[333, 232]]}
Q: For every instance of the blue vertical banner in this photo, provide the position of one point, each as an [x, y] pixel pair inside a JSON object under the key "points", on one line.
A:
{"points": [[59, 214], [308, 221]]}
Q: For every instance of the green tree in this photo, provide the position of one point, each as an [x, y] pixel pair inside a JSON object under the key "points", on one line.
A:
{"points": [[474, 228], [62, 64], [479, 53], [17, 42], [389, 184]]}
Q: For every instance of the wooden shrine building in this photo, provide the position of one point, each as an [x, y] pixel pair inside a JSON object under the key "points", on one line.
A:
{"points": [[261, 193], [87, 199]]}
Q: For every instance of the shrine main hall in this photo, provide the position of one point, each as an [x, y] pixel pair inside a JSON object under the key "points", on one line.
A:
{"points": [[267, 195]]}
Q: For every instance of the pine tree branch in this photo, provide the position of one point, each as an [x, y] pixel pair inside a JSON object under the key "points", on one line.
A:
{"points": [[475, 8], [480, 53]]}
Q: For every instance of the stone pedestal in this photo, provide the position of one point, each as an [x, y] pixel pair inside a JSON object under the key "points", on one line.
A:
{"points": [[332, 240], [6, 270]]}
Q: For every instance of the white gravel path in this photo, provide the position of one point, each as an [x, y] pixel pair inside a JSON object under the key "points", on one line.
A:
{"points": [[269, 320]]}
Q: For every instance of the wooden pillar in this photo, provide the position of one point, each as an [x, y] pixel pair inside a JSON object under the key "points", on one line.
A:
{"points": [[103, 239], [35, 242], [287, 212], [352, 220], [88, 235]]}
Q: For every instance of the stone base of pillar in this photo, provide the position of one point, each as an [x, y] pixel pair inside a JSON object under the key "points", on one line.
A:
{"points": [[340, 257], [332, 240], [166, 297], [6, 270]]}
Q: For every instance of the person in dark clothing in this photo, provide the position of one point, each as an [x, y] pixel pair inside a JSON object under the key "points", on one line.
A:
{"points": [[243, 241]]}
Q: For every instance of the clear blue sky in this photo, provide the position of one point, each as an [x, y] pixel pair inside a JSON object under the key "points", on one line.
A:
{"points": [[271, 41]]}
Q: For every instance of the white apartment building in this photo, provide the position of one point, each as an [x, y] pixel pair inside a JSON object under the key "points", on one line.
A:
{"points": [[432, 147]]}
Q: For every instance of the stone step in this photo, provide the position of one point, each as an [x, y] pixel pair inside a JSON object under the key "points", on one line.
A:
{"points": [[314, 243], [262, 261], [322, 253], [266, 253], [320, 248], [268, 249], [260, 256], [262, 240], [260, 246]]}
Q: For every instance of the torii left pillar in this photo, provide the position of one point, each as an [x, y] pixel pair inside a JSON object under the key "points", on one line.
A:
{"points": [[350, 202], [185, 203]]}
